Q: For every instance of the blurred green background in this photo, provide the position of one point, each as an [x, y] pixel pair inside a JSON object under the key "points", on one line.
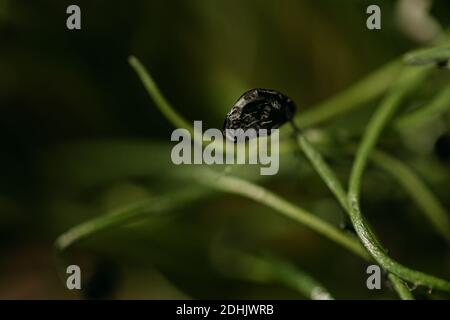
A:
{"points": [[80, 136]]}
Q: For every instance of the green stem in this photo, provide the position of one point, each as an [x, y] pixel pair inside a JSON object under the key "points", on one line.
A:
{"points": [[152, 89], [356, 96], [219, 181], [400, 287], [269, 269], [438, 106], [406, 84], [324, 171], [432, 55], [249, 190], [369, 88], [123, 216], [244, 188], [417, 190], [340, 104]]}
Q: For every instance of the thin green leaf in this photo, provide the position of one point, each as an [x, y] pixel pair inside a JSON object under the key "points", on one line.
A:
{"points": [[163, 105], [124, 216], [252, 191], [436, 108], [435, 55], [323, 170], [269, 269]]}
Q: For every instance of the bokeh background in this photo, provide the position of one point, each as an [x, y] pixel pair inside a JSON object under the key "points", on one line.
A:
{"points": [[80, 137]]}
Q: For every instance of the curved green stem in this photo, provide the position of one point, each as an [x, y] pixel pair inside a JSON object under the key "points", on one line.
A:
{"points": [[370, 87], [293, 277], [407, 82], [268, 269], [220, 182], [322, 113], [160, 101], [324, 171], [413, 185], [244, 188], [122, 216], [327, 175], [355, 96]]}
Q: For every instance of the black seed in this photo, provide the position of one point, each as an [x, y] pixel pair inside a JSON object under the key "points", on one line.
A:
{"points": [[259, 109]]}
